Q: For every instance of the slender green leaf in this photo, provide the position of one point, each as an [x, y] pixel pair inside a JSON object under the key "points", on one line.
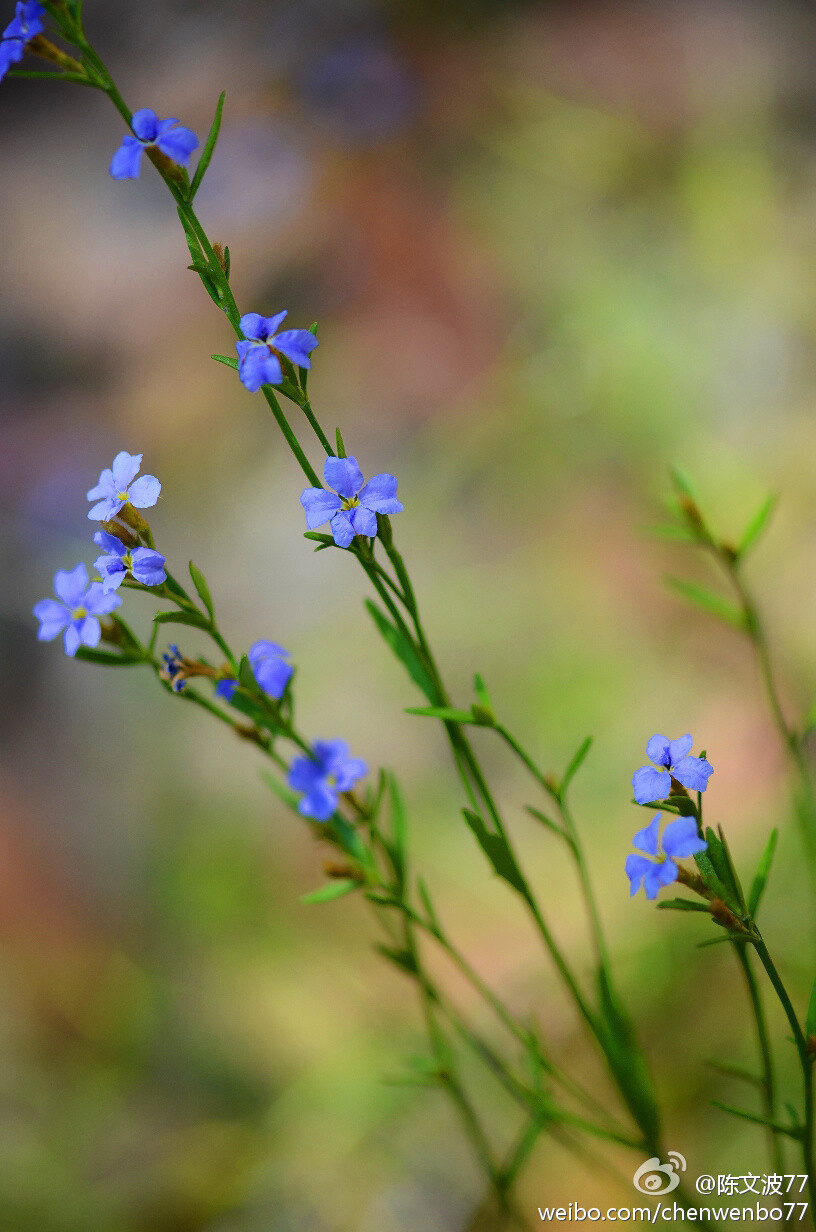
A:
{"points": [[403, 959], [574, 766], [331, 890], [109, 658], [209, 147], [225, 359], [545, 821], [317, 536], [733, 877], [756, 527], [761, 875], [682, 904], [200, 583], [737, 1071], [246, 676], [810, 1017], [716, 605], [682, 483], [280, 789], [498, 853], [196, 620], [448, 713], [626, 1060], [341, 448], [755, 1117], [703, 945], [397, 846], [405, 651], [424, 894], [713, 880]]}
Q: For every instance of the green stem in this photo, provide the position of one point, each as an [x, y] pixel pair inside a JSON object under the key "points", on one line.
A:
{"points": [[805, 1060], [766, 1057]]}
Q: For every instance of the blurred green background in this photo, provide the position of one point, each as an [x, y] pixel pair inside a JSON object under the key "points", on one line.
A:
{"points": [[552, 248]]}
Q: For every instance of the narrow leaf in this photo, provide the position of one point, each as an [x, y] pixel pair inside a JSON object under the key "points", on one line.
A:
{"points": [[737, 1071], [756, 527], [196, 619], [403, 959], [574, 766], [283, 792], [810, 1017], [404, 650], [424, 894], [331, 890], [225, 359], [716, 605], [498, 853], [209, 146], [200, 583], [792, 1132], [109, 658], [626, 1059], [761, 876], [682, 904], [341, 449], [545, 821], [396, 848], [448, 713]]}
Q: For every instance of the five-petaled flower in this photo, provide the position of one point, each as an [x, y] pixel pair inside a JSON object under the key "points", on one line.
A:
{"points": [[267, 662], [352, 507], [117, 560], [671, 761], [24, 25], [119, 486], [259, 348], [323, 776], [75, 611], [654, 869], [176, 143]]}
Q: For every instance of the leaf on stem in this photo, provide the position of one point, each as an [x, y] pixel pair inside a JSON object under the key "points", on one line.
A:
{"points": [[331, 890], [209, 147], [498, 853], [626, 1060], [227, 360], [574, 766], [404, 649], [195, 619], [756, 527], [761, 876], [682, 904], [203, 590], [109, 658], [716, 605]]}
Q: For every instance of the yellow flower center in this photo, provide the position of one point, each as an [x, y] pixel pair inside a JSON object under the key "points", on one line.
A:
{"points": [[349, 502], [123, 495], [79, 613]]}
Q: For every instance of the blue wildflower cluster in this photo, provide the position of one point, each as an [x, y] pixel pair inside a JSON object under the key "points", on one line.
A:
{"points": [[26, 23], [323, 777], [79, 604], [261, 348]]}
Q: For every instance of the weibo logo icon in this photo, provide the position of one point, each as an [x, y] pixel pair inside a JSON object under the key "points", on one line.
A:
{"points": [[653, 1177]]}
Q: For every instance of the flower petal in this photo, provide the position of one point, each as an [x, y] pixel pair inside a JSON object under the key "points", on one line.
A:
{"points": [[657, 750], [126, 162], [344, 475], [636, 869], [100, 602], [112, 570], [380, 494], [145, 124], [144, 491], [319, 506], [71, 586], [263, 649], [330, 754], [351, 770], [693, 772], [646, 839], [680, 839], [342, 528], [253, 325], [105, 487], [650, 784], [304, 774], [273, 675], [71, 640], [53, 618], [148, 566], [111, 545], [296, 345], [319, 804], [659, 875], [90, 631], [364, 521], [273, 323], [125, 469], [678, 749], [106, 510], [178, 144]]}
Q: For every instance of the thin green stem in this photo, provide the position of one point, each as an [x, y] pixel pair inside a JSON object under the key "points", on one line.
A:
{"points": [[766, 1057]]}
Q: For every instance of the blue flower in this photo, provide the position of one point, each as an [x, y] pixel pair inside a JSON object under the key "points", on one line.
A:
{"points": [[258, 350], [226, 688], [653, 870], [323, 776], [352, 511], [75, 610], [267, 662], [174, 669], [119, 486], [143, 564], [176, 143], [671, 756], [27, 22]]}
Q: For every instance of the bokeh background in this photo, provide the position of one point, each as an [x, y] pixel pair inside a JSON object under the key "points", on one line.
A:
{"points": [[552, 248]]}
